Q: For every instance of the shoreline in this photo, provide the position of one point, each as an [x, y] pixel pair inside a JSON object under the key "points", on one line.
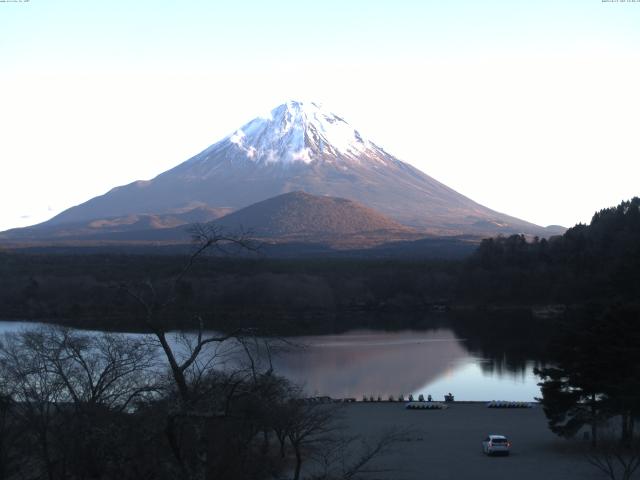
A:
{"points": [[352, 401]]}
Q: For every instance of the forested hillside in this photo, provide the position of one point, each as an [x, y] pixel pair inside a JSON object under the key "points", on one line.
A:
{"points": [[597, 262], [589, 264]]}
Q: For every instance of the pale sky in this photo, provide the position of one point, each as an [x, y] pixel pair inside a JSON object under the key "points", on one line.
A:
{"points": [[531, 108]]}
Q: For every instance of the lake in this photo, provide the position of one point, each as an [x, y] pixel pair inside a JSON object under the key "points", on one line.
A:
{"points": [[379, 363]]}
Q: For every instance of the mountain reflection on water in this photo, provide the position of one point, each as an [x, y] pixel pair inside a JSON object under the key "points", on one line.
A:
{"points": [[358, 363], [365, 363], [473, 359]]}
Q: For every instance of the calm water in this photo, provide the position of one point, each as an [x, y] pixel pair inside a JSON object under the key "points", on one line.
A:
{"points": [[375, 363]]}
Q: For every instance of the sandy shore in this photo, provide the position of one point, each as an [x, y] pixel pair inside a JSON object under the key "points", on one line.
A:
{"points": [[446, 444]]}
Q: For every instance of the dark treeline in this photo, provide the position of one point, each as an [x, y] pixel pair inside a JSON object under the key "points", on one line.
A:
{"points": [[596, 359], [593, 359], [590, 381], [291, 295], [589, 263], [509, 340], [594, 263], [590, 386]]}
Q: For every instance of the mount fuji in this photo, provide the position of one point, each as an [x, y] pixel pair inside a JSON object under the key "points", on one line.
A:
{"points": [[298, 147]]}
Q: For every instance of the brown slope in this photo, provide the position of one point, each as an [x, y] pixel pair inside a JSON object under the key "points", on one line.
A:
{"points": [[290, 217], [299, 214], [124, 227]]}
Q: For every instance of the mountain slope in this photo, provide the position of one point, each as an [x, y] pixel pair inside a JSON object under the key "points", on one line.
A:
{"points": [[301, 147], [290, 223], [127, 226], [301, 214]]}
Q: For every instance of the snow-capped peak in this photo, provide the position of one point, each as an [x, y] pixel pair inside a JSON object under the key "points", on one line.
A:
{"points": [[298, 132]]}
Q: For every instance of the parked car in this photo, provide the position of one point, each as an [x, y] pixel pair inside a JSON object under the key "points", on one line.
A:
{"points": [[496, 445]]}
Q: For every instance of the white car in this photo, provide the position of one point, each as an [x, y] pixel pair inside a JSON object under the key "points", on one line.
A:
{"points": [[496, 445]]}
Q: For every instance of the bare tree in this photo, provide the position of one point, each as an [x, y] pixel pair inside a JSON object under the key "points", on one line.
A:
{"points": [[91, 403], [68, 390], [187, 366], [37, 395], [153, 303], [310, 426], [618, 460], [107, 370], [352, 457], [10, 436], [318, 436]]}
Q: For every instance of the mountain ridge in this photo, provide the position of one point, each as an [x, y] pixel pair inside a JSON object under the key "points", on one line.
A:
{"points": [[302, 147], [302, 214]]}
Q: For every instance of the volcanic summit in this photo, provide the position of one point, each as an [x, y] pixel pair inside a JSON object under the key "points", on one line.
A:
{"points": [[299, 147]]}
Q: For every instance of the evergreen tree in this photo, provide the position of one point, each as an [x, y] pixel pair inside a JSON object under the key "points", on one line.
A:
{"points": [[595, 376]]}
